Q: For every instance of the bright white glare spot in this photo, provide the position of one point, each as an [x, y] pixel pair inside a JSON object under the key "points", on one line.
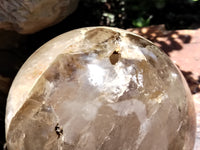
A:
{"points": [[174, 75], [96, 74]]}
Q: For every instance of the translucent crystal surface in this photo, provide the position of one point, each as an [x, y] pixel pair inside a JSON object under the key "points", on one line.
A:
{"points": [[99, 88]]}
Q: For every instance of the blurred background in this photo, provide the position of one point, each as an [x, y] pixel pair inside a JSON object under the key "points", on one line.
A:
{"points": [[173, 25]]}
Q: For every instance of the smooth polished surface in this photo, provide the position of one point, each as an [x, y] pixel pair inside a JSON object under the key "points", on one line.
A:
{"points": [[99, 88]]}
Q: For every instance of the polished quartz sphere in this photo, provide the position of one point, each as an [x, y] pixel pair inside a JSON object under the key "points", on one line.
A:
{"points": [[99, 88]]}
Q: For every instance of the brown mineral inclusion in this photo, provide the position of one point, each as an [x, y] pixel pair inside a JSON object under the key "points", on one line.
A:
{"points": [[99, 88]]}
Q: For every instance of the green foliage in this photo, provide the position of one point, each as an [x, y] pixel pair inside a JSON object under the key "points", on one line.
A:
{"points": [[141, 22], [175, 14]]}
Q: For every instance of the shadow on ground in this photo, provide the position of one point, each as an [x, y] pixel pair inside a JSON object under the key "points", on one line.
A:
{"points": [[194, 84], [166, 40]]}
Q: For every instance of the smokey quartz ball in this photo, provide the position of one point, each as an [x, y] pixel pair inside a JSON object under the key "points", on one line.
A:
{"points": [[99, 88]]}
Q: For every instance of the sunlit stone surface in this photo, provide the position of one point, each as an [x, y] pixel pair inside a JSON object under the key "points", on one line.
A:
{"points": [[99, 89]]}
